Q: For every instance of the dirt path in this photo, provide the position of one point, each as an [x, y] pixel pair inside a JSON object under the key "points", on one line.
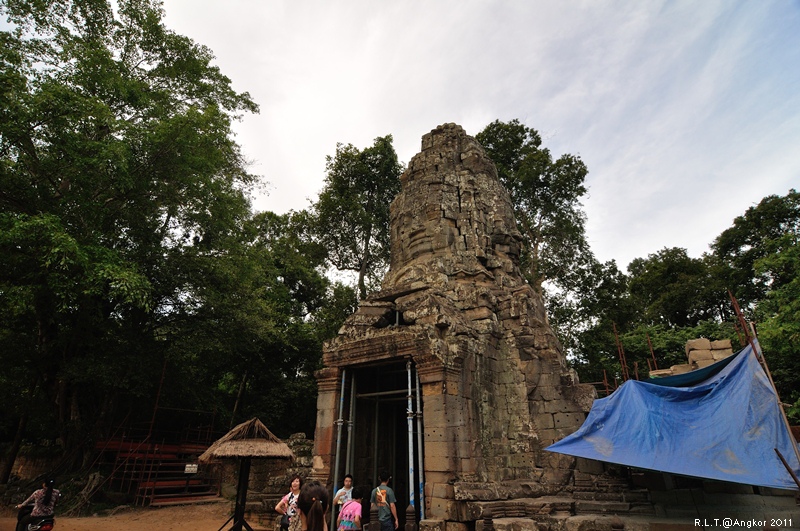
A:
{"points": [[205, 517]]}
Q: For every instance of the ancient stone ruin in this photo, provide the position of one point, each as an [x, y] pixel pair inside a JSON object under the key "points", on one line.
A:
{"points": [[456, 325], [451, 379], [700, 353]]}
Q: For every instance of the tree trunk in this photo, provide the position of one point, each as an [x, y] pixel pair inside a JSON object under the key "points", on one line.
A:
{"points": [[238, 399], [362, 272], [5, 474]]}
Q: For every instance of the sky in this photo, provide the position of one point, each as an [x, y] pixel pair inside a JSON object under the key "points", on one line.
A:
{"points": [[686, 113]]}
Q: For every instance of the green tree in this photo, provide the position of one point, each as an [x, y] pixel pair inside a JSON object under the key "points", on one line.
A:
{"points": [[758, 259], [671, 288], [599, 295], [264, 336], [586, 321], [752, 238], [119, 183], [778, 317], [351, 214], [341, 303], [546, 194]]}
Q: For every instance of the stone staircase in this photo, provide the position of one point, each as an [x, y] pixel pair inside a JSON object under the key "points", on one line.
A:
{"points": [[692, 504], [601, 494], [606, 503], [674, 510]]}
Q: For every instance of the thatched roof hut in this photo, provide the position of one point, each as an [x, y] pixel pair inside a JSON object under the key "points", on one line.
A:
{"points": [[248, 439]]}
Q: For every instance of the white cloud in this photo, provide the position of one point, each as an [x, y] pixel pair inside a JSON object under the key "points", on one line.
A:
{"points": [[686, 113]]}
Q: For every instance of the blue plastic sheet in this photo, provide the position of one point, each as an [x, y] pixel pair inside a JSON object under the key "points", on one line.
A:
{"points": [[725, 427]]}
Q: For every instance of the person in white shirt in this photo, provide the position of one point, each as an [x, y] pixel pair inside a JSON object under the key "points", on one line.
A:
{"points": [[344, 494]]}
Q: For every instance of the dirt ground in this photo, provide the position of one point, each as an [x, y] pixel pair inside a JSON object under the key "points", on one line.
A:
{"points": [[205, 517]]}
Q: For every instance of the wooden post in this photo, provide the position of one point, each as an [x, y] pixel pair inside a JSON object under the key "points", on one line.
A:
{"points": [[241, 496]]}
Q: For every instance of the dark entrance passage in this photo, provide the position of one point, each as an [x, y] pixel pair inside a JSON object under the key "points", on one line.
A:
{"points": [[380, 430]]}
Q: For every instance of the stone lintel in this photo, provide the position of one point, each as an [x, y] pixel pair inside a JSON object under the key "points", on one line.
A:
{"points": [[391, 345]]}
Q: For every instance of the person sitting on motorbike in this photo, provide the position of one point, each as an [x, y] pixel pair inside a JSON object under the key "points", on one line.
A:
{"points": [[44, 504]]}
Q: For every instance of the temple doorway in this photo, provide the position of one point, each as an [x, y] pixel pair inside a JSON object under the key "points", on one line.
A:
{"points": [[375, 426]]}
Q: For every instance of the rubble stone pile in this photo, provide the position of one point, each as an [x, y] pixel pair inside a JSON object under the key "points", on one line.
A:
{"points": [[700, 353]]}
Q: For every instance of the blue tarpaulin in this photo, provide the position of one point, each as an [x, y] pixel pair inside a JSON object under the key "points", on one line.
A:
{"points": [[725, 427]]}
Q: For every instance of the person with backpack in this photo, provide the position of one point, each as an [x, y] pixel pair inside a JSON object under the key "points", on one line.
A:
{"points": [[350, 515], [287, 506], [384, 499]]}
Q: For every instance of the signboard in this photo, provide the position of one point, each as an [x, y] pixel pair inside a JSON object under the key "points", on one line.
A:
{"points": [[190, 469]]}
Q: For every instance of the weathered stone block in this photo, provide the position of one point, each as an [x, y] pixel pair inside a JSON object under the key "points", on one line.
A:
{"points": [[700, 355], [546, 392], [444, 509], [438, 463], [431, 525], [568, 420], [721, 344], [660, 373], [443, 490], [524, 461], [697, 344], [475, 314], [544, 421], [440, 449], [456, 526], [704, 363], [549, 379], [721, 354], [589, 466], [468, 465], [601, 507], [680, 369], [557, 406], [436, 435]]}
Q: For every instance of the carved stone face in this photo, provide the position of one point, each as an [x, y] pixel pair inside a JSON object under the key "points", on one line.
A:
{"points": [[452, 217]]}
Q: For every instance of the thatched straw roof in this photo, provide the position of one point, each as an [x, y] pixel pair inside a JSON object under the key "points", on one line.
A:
{"points": [[248, 439]]}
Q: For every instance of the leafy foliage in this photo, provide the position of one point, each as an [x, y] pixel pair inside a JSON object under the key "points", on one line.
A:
{"points": [[670, 298], [672, 288], [351, 214], [546, 194], [754, 236], [127, 245]]}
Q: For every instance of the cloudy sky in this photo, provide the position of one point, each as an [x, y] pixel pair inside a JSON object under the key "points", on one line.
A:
{"points": [[686, 113]]}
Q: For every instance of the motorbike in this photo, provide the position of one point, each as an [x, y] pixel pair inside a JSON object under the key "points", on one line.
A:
{"points": [[39, 523]]}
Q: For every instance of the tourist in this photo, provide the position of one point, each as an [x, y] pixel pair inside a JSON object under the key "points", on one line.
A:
{"points": [[345, 493], [350, 515], [288, 504], [311, 507], [44, 504], [383, 497]]}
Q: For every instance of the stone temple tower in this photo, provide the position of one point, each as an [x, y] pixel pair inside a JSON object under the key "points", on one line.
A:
{"points": [[449, 377]]}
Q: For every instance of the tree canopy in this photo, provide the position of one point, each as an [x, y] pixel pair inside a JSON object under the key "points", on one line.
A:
{"points": [[351, 214], [132, 270], [669, 297], [546, 194]]}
